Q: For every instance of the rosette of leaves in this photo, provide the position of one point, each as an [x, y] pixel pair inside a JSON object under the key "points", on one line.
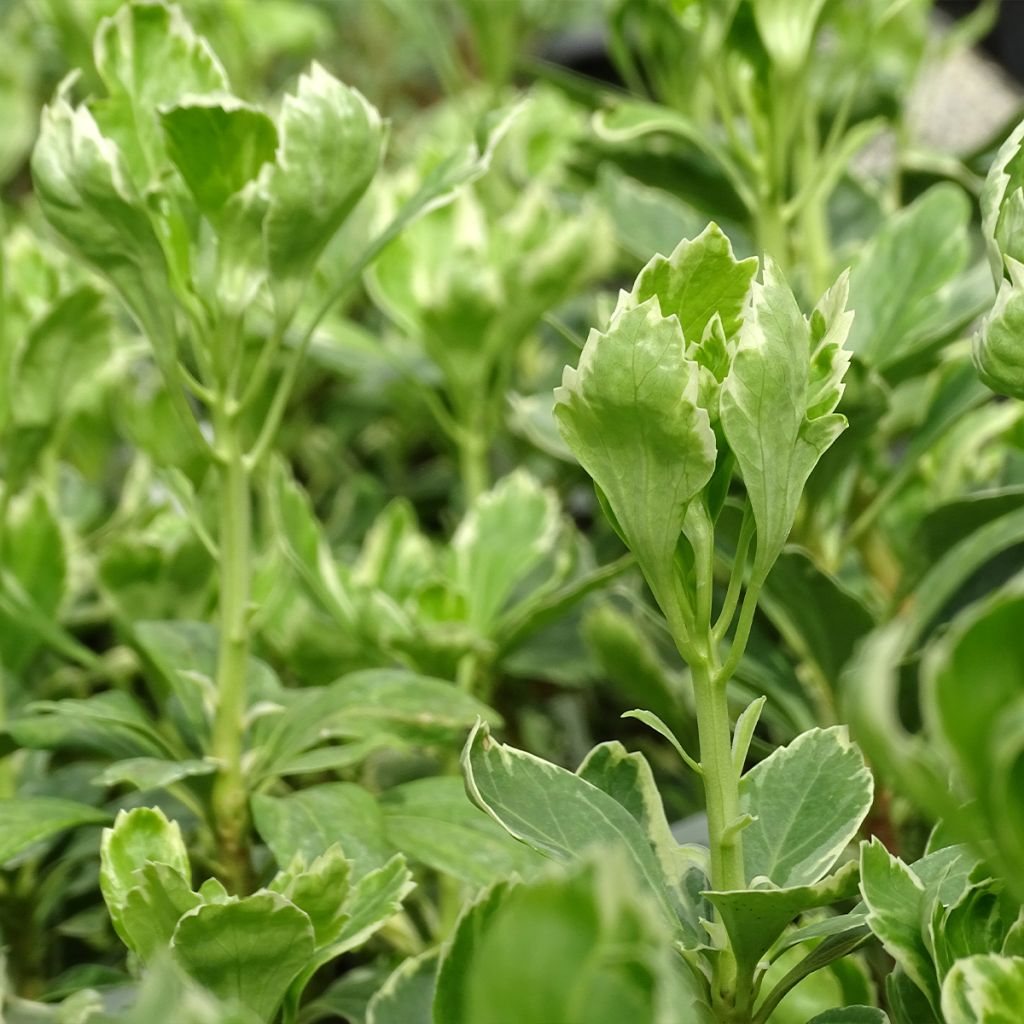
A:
{"points": [[469, 284]]}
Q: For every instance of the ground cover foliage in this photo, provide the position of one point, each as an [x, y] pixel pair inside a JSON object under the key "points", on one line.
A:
{"points": [[484, 545]]}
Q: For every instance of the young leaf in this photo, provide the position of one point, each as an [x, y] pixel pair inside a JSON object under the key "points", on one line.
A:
{"points": [[331, 144], [894, 896], [84, 189], [778, 400], [139, 837], [851, 1015], [629, 412], [984, 990], [219, 145], [249, 949], [147, 55], [503, 537], [320, 890], [998, 352], [808, 800], [153, 908], [702, 277]]}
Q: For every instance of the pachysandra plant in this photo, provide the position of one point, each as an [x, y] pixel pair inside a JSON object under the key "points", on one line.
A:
{"points": [[705, 373]]}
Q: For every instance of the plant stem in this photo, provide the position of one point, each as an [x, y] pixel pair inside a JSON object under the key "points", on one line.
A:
{"points": [[473, 471], [230, 801]]}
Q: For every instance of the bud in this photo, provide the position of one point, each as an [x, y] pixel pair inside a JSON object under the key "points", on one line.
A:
{"points": [[999, 345]]}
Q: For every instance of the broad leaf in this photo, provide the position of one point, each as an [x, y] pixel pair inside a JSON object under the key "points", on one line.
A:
{"points": [[433, 823], [851, 1015], [309, 822], [808, 800], [554, 811], [153, 907], [320, 890], [249, 949], [152, 772]]}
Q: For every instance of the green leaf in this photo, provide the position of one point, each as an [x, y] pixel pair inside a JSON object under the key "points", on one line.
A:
{"points": [[554, 811], [139, 837], [28, 820], [787, 30], [984, 990], [84, 190], [851, 1015], [371, 704], [756, 918], [372, 902], [628, 778], [319, 890], [309, 822], [1002, 202], [586, 948], [151, 772], [778, 400], [895, 899], [331, 145], [249, 949], [998, 352], [219, 144], [153, 908], [700, 278], [433, 823], [407, 997], [147, 55], [504, 536], [896, 278], [111, 723], [808, 800], [629, 412]]}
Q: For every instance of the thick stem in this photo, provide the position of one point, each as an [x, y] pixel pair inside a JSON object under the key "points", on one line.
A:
{"points": [[473, 471], [230, 801]]}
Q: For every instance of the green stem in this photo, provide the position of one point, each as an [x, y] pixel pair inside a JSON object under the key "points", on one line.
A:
{"points": [[230, 800], [473, 471]]}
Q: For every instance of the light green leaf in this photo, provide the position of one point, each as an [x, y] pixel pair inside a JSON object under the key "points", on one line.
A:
{"points": [[554, 811], [151, 772], [370, 704], [139, 837], [895, 899], [153, 908], [309, 822], [372, 902], [148, 55], [756, 918], [584, 949], [28, 820], [249, 949], [331, 145], [1002, 200], [407, 997], [505, 534], [219, 144], [787, 30], [432, 822], [998, 347], [895, 280], [628, 778], [629, 412], [700, 278], [777, 402], [851, 1015], [808, 800], [83, 187], [319, 890], [984, 990]]}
